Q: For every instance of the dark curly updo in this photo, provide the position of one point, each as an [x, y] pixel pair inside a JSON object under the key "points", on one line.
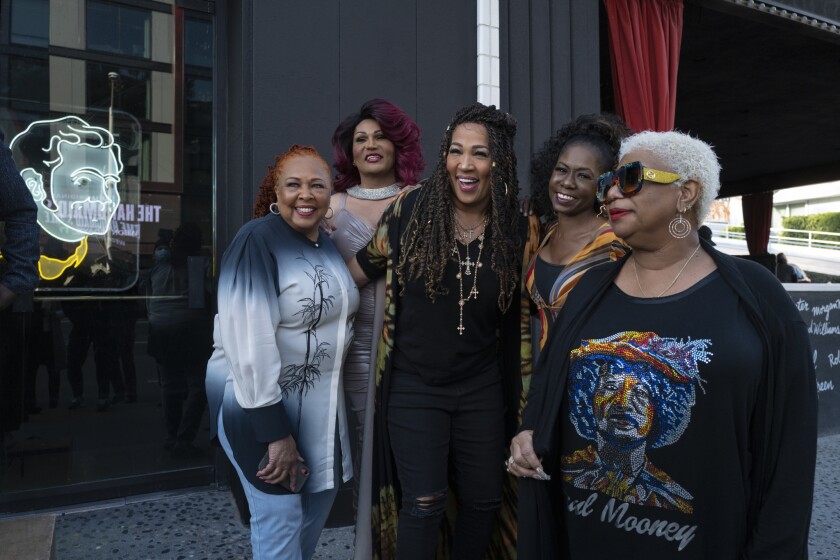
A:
{"points": [[602, 133]]}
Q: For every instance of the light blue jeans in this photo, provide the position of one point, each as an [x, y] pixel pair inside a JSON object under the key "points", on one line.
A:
{"points": [[283, 527]]}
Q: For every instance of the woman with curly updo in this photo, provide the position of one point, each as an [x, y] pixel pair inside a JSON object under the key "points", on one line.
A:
{"points": [[448, 362], [564, 175]]}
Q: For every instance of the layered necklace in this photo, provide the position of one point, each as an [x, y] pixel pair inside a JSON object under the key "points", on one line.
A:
{"points": [[467, 267], [465, 233], [374, 194], [674, 281]]}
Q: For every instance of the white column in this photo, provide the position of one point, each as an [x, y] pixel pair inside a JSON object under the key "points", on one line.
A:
{"points": [[489, 90]]}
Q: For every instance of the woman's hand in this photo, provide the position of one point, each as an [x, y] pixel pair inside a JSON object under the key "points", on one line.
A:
{"points": [[282, 462], [523, 461]]}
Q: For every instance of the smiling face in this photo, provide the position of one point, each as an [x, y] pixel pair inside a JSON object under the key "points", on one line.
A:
{"points": [[83, 187], [303, 194], [623, 409], [469, 165], [573, 183], [373, 154]]}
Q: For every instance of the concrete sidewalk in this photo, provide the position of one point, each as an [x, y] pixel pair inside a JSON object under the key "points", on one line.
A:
{"points": [[203, 524]]}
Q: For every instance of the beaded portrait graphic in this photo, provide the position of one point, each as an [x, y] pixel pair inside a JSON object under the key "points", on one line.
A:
{"points": [[629, 393]]}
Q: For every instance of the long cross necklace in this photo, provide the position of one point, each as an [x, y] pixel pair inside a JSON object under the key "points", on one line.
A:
{"points": [[467, 265]]}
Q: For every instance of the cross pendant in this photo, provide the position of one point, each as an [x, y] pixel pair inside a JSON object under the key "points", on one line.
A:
{"points": [[468, 264], [474, 293], [460, 329]]}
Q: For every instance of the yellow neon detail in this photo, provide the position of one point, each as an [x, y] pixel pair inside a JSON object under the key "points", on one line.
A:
{"points": [[51, 268]]}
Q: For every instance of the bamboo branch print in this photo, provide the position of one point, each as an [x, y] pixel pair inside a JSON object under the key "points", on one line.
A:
{"points": [[302, 377]]}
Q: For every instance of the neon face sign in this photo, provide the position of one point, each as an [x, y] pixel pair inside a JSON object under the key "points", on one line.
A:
{"points": [[84, 169], [83, 166]]}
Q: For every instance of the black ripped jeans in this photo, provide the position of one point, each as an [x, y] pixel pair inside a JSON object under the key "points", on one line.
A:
{"points": [[432, 427]]}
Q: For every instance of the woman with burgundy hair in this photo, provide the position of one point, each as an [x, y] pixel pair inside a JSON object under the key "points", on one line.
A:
{"points": [[377, 154]]}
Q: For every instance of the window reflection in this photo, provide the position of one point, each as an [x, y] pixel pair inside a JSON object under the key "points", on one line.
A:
{"points": [[118, 29], [198, 136], [198, 43], [132, 93], [27, 85], [30, 22]]}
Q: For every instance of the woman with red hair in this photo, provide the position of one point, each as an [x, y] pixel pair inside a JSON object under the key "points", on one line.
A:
{"points": [[286, 303]]}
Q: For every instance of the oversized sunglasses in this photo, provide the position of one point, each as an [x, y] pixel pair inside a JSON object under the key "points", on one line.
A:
{"points": [[629, 178]]}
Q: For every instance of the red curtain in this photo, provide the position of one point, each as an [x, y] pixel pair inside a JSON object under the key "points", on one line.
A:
{"points": [[758, 215], [645, 38]]}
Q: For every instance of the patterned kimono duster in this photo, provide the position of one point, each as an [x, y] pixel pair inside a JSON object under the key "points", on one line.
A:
{"points": [[383, 252], [603, 247]]}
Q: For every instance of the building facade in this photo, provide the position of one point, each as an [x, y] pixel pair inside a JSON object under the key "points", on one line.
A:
{"points": [[143, 129], [166, 115]]}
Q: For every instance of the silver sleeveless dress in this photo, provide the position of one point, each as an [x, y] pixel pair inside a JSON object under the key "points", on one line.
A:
{"points": [[352, 234]]}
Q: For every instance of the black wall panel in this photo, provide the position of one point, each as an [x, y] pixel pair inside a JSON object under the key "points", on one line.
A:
{"points": [[447, 75], [549, 68], [296, 84], [378, 49], [289, 71]]}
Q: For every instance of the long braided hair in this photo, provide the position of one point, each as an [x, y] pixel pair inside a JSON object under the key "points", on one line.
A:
{"points": [[428, 240], [603, 133]]}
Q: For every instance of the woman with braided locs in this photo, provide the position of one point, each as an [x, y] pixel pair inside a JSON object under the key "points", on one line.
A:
{"points": [[448, 360]]}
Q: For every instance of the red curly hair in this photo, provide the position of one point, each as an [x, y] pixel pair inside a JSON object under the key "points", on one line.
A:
{"points": [[266, 195]]}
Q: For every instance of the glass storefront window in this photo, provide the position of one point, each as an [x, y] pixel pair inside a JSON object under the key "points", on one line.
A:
{"points": [[30, 22], [118, 29], [101, 384]]}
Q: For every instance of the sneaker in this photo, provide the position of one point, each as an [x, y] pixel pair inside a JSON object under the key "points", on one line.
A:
{"points": [[76, 403], [117, 399], [101, 405]]}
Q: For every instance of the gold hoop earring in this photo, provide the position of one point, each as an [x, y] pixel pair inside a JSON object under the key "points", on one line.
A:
{"points": [[602, 212], [274, 208], [506, 190]]}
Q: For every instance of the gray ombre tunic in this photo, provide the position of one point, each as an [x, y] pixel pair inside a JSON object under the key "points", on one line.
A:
{"points": [[286, 308]]}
